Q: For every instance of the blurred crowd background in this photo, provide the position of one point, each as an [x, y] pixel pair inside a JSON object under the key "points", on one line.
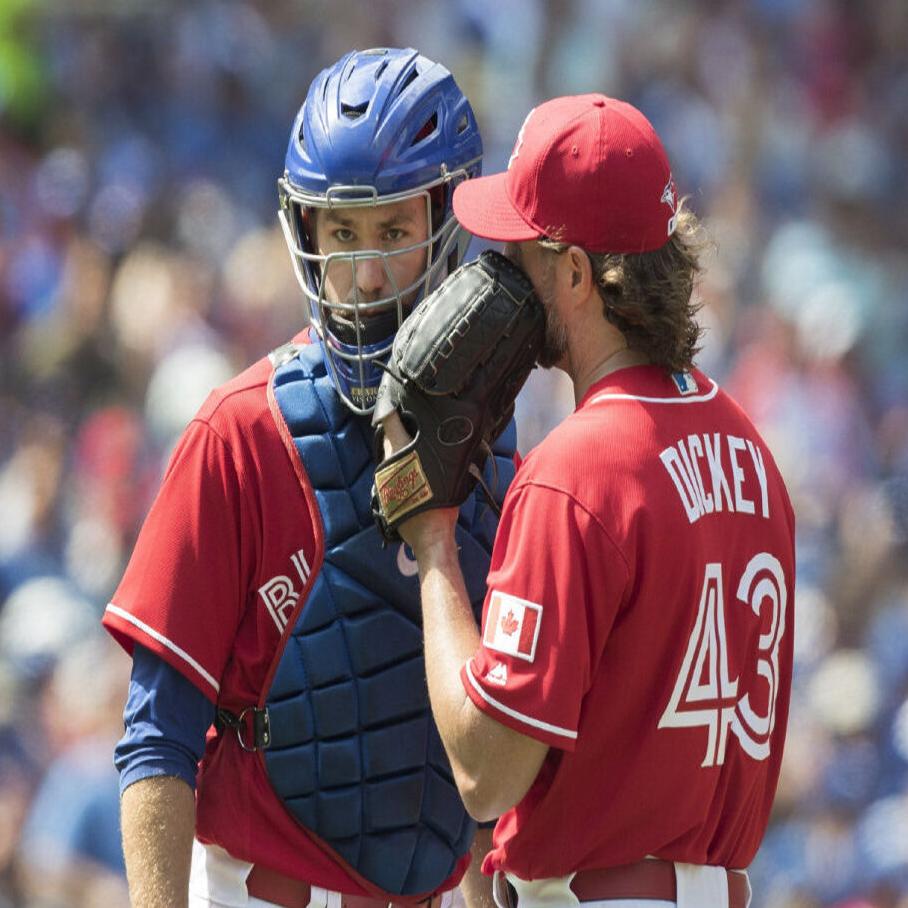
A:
{"points": [[141, 265]]}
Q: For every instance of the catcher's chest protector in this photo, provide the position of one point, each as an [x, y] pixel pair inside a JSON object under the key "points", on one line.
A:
{"points": [[354, 753]]}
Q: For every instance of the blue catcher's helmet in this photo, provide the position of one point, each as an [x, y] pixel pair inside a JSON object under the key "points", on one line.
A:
{"points": [[379, 127]]}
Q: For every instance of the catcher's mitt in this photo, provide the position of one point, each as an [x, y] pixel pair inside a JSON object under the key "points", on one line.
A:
{"points": [[457, 364]]}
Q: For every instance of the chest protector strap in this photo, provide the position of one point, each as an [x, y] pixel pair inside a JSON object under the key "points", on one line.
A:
{"points": [[353, 752]]}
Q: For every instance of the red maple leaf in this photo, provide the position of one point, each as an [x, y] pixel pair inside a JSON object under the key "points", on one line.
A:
{"points": [[509, 623]]}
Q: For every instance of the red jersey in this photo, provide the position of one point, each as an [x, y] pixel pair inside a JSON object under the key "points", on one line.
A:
{"points": [[229, 547], [639, 621]]}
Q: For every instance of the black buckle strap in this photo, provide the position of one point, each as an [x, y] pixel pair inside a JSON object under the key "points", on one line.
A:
{"points": [[260, 726]]}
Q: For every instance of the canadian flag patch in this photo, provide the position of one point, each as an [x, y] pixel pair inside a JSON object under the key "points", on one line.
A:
{"points": [[512, 626]]}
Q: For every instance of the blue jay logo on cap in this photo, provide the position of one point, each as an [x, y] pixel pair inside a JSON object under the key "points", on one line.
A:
{"points": [[518, 144]]}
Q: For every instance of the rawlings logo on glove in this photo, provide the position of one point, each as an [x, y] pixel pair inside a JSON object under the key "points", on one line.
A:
{"points": [[402, 486], [456, 367]]}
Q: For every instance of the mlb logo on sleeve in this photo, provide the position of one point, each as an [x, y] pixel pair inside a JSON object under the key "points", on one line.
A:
{"points": [[512, 626]]}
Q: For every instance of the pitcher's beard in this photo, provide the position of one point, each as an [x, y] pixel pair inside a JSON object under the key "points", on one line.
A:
{"points": [[555, 344]]}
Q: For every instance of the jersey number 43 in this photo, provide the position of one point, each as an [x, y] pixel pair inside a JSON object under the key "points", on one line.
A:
{"points": [[704, 694]]}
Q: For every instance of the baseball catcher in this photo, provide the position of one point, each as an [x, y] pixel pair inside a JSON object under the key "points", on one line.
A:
{"points": [[260, 598], [456, 367]]}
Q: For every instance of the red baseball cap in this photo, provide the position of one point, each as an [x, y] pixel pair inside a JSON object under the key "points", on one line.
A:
{"points": [[586, 170]]}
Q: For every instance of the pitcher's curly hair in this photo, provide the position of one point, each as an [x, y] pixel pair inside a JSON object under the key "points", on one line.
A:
{"points": [[648, 296]]}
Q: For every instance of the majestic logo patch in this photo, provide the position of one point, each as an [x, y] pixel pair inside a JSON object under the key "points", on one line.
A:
{"points": [[498, 674], [512, 626], [685, 383]]}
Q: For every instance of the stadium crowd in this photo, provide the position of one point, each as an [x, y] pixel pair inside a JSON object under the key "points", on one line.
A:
{"points": [[141, 264]]}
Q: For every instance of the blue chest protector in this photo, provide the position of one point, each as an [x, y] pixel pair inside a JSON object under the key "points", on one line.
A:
{"points": [[354, 753]]}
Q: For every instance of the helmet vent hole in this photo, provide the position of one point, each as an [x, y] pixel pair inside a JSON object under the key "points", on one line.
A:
{"points": [[426, 130], [409, 79], [381, 68], [462, 124], [301, 135], [354, 111]]}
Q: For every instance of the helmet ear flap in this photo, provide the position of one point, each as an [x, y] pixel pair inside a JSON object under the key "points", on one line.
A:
{"points": [[303, 221], [298, 225], [439, 202], [306, 227]]}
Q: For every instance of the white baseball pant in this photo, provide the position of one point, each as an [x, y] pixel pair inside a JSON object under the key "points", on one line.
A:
{"points": [[217, 880], [697, 886]]}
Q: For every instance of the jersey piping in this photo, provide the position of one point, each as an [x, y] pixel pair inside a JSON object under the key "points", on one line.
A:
{"points": [[156, 635], [514, 714], [693, 399]]}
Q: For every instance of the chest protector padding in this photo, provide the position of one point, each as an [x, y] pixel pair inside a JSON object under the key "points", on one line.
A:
{"points": [[355, 755]]}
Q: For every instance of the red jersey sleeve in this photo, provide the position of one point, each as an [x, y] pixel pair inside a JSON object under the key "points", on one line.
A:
{"points": [[554, 588], [182, 593]]}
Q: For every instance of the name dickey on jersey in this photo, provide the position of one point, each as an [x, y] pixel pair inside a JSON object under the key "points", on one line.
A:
{"points": [[512, 626], [710, 472]]}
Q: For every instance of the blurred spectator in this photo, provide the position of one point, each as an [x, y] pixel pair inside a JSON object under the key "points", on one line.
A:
{"points": [[70, 853]]}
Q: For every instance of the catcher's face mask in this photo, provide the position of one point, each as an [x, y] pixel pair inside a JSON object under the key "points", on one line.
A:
{"points": [[381, 132], [362, 267]]}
